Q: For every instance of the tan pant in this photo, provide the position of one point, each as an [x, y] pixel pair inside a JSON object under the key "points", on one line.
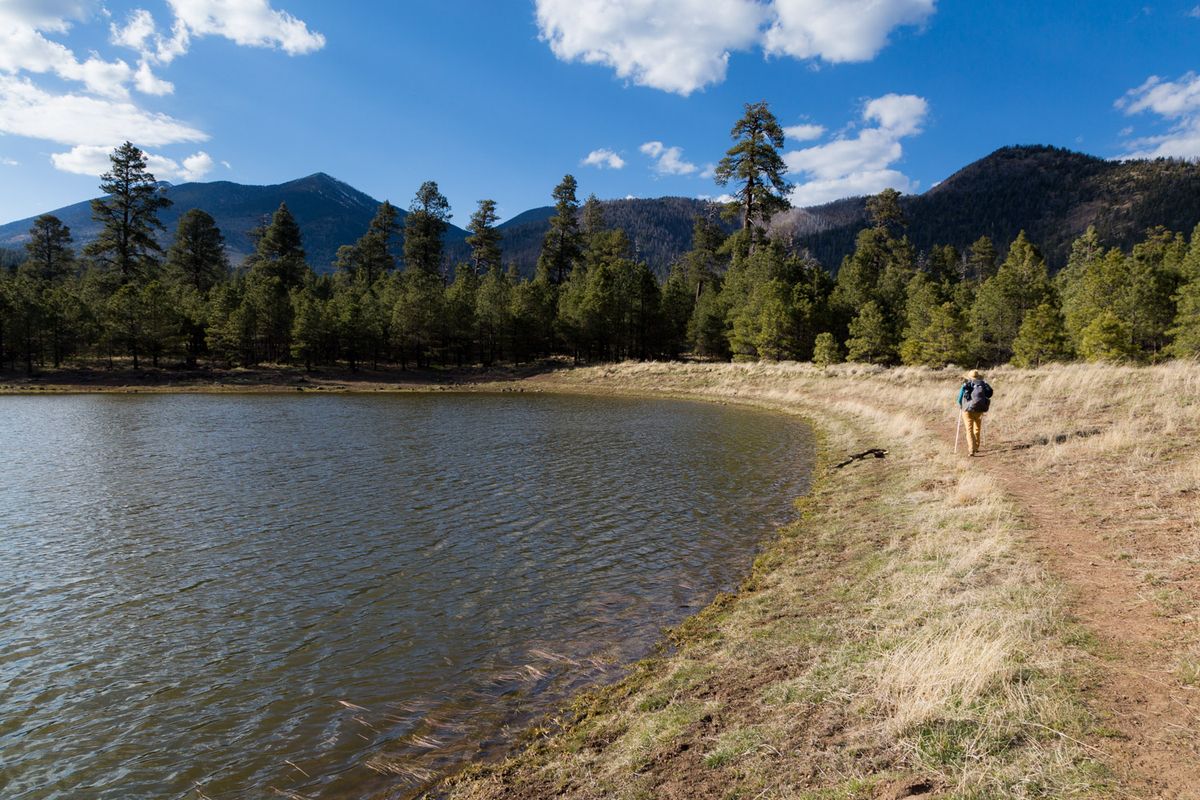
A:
{"points": [[973, 422]]}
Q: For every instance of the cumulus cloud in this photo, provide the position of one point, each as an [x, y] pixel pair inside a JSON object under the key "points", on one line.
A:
{"points": [[668, 160], [77, 119], [675, 45], [94, 161], [839, 30], [603, 158], [247, 22], [684, 45], [1176, 102], [98, 114], [9, 162], [861, 163], [804, 133]]}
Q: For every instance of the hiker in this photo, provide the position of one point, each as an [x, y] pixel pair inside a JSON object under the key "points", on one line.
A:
{"points": [[974, 398]]}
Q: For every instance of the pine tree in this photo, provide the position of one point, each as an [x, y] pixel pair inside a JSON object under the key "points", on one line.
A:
{"points": [[923, 296], [1020, 285], [943, 341], [754, 161], [484, 240], [1042, 338], [562, 245], [128, 215], [707, 329], [375, 249], [196, 258], [49, 255], [593, 218], [1185, 331], [417, 316], [871, 340], [309, 327], [1107, 338], [279, 251], [426, 223], [274, 270], [493, 314], [160, 323], [460, 314], [981, 260], [678, 302], [885, 212], [826, 350]]}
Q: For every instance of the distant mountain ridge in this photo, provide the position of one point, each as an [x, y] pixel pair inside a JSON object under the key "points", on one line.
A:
{"points": [[1051, 193], [330, 214]]}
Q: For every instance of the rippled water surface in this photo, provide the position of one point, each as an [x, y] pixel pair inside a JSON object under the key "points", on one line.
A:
{"points": [[236, 597]]}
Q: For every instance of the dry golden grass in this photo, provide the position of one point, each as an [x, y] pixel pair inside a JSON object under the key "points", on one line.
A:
{"points": [[907, 625]]}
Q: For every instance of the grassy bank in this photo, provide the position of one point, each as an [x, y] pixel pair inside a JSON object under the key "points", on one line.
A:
{"points": [[909, 635], [1017, 625]]}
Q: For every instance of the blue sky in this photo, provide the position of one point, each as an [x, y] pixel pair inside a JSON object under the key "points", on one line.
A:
{"points": [[633, 97]]}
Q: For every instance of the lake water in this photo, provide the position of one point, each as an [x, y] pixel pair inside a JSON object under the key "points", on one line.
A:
{"points": [[228, 597]]}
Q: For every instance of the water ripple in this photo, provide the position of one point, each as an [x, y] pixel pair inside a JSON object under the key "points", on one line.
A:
{"points": [[325, 594]]}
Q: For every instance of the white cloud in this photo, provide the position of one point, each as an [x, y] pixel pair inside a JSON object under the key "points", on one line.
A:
{"points": [[709, 171], [247, 22], [98, 114], [1195, 12], [899, 114], [840, 30], [76, 119], [804, 132], [94, 160], [684, 45], [149, 83], [721, 198], [668, 160], [47, 15], [23, 48], [136, 32], [603, 158], [9, 162], [860, 164], [1177, 102], [674, 45], [196, 166]]}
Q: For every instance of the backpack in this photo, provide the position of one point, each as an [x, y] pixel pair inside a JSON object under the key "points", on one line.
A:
{"points": [[978, 396]]}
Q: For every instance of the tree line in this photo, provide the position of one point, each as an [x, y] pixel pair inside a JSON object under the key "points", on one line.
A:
{"points": [[743, 295]]}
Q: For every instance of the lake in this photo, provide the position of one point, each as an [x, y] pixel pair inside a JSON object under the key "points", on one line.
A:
{"points": [[226, 597]]}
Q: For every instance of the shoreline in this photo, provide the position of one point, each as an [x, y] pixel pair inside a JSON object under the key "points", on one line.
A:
{"points": [[920, 630], [689, 721], [916, 632], [266, 380]]}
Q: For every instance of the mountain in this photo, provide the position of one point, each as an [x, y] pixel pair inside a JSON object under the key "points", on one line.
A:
{"points": [[330, 213], [658, 230], [1051, 193]]}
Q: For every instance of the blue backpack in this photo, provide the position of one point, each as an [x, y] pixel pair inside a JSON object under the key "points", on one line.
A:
{"points": [[978, 396]]}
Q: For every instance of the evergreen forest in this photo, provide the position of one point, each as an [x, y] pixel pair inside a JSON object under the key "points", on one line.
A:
{"points": [[740, 292]]}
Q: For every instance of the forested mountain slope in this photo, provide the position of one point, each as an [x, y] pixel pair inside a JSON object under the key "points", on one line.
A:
{"points": [[1051, 193]]}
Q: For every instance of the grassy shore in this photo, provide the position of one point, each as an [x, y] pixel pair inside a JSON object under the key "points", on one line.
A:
{"points": [[925, 628], [1013, 626]]}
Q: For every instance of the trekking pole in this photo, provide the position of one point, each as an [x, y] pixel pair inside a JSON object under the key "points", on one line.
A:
{"points": [[957, 429]]}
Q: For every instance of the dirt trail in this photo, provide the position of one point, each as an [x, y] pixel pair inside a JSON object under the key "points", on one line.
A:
{"points": [[1090, 543]]}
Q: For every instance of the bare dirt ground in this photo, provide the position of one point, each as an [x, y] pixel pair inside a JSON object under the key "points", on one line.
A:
{"points": [[1128, 560]]}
